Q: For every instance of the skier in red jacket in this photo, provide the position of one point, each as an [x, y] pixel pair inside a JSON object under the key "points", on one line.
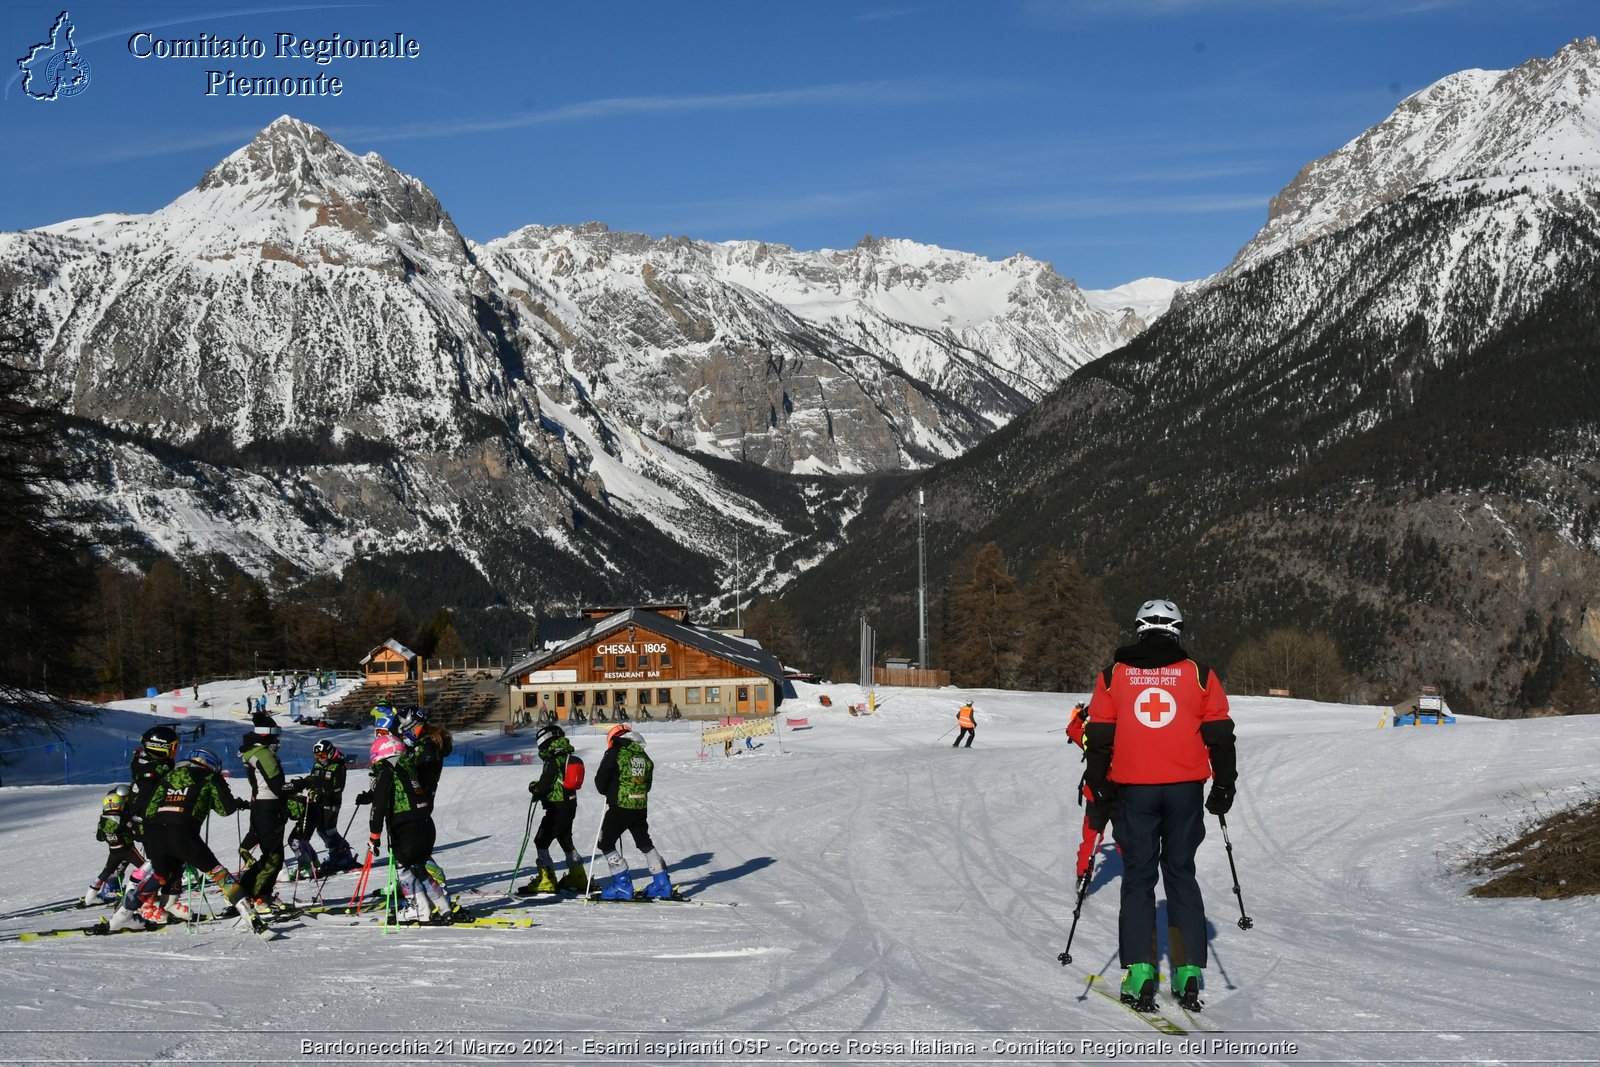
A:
{"points": [[1158, 728], [1076, 725]]}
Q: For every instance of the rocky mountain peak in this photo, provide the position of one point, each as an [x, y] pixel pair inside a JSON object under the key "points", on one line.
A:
{"points": [[1536, 126], [296, 190]]}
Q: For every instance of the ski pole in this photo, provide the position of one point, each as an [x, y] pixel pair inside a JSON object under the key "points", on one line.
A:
{"points": [[527, 831], [942, 736], [391, 917], [345, 837], [361, 883], [1245, 922], [1083, 891], [593, 850]]}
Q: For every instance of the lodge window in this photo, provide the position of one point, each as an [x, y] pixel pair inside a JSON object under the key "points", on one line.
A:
{"points": [[621, 662], [761, 694], [530, 700], [599, 698], [691, 695], [620, 698], [713, 694], [663, 696], [644, 697], [561, 699], [666, 659], [578, 698], [599, 663], [744, 694], [644, 661]]}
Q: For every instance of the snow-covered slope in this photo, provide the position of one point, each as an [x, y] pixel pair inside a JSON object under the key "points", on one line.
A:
{"points": [[887, 889], [1535, 127]]}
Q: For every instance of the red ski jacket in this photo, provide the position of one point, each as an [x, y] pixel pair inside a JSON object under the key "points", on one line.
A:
{"points": [[1158, 702]]}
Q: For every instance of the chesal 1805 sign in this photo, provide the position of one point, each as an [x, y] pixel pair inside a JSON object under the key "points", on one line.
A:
{"points": [[630, 649]]}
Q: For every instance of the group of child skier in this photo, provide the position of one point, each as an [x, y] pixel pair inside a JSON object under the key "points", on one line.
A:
{"points": [[166, 805]]}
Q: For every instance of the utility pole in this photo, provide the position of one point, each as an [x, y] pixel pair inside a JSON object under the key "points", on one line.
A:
{"points": [[922, 586]]}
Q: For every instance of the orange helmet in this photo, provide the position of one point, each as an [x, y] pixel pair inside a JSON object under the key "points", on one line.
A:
{"points": [[616, 732]]}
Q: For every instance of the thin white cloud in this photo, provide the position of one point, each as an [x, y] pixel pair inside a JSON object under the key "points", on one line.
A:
{"points": [[843, 94]]}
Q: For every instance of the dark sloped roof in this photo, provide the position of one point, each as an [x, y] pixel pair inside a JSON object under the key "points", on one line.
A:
{"points": [[732, 649], [559, 629]]}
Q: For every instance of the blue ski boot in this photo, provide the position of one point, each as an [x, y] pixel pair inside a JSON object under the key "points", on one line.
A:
{"points": [[621, 887], [660, 887]]}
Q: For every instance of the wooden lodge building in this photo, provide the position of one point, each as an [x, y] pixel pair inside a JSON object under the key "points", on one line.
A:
{"points": [[390, 664], [647, 658]]}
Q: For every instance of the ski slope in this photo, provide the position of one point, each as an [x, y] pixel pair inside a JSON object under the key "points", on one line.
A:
{"points": [[889, 890]]}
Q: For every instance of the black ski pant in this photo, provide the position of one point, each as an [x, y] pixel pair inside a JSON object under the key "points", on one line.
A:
{"points": [[120, 857], [969, 732], [411, 842], [173, 844], [324, 819], [267, 821], [1159, 828], [618, 821], [557, 826]]}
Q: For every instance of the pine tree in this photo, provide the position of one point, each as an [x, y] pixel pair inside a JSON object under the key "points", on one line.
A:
{"points": [[45, 569], [984, 621], [1069, 631]]}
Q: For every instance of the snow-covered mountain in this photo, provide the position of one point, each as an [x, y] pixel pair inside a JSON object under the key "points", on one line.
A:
{"points": [[879, 357], [1536, 127], [342, 375], [1381, 422]]}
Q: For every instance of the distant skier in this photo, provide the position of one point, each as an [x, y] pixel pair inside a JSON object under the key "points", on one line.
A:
{"points": [[269, 810], [1158, 728], [967, 719], [625, 775], [115, 813], [188, 793], [557, 788]]}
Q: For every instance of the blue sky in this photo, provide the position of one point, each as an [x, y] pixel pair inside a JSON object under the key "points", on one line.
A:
{"points": [[1114, 138]]}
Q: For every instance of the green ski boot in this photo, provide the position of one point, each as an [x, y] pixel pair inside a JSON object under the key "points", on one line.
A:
{"points": [[1139, 986], [576, 880], [543, 881], [1186, 987]]}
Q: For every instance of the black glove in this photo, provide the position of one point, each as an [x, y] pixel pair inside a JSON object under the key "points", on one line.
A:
{"points": [[533, 787], [1220, 800], [364, 798], [1099, 813], [374, 840]]}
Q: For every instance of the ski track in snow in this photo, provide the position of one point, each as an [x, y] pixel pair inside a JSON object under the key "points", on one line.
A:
{"points": [[886, 884]]}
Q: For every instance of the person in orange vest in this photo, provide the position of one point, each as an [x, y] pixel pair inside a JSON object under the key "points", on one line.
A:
{"points": [[1158, 728], [967, 719]]}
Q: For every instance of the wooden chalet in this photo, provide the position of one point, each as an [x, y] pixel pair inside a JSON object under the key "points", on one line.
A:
{"points": [[642, 659], [391, 663]]}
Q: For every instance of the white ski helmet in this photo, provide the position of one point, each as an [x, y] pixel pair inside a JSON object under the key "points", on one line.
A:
{"points": [[1158, 615]]}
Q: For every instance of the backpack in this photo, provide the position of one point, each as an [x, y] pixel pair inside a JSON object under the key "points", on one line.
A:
{"points": [[572, 775]]}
